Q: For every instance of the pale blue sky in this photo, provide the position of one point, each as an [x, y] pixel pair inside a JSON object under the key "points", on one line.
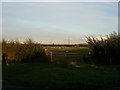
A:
{"points": [[55, 22]]}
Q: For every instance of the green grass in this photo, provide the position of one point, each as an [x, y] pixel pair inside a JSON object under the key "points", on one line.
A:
{"points": [[62, 74], [78, 57], [68, 49], [54, 75]]}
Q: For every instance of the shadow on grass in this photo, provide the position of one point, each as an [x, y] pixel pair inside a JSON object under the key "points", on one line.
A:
{"points": [[53, 75]]}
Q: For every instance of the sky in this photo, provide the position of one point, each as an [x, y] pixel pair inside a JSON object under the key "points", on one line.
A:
{"points": [[58, 22]]}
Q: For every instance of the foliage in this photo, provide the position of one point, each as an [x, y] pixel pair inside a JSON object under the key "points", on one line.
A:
{"points": [[105, 50], [27, 52]]}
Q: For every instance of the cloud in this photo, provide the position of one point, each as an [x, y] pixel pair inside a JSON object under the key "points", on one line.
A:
{"points": [[56, 21], [100, 38]]}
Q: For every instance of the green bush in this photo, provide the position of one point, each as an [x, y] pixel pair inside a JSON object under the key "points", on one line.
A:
{"points": [[105, 50], [27, 52]]}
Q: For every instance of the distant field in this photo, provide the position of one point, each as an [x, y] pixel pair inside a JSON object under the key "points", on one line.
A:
{"points": [[65, 48], [68, 53]]}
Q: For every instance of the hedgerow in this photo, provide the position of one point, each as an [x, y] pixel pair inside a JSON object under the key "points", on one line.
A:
{"points": [[23, 52], [105, 50]]}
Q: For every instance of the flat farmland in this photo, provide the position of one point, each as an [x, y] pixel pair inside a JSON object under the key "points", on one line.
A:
{"points": [[67, 53]]}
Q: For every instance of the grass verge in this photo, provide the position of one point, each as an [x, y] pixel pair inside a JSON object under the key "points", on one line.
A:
{"points": [[52, 75]]}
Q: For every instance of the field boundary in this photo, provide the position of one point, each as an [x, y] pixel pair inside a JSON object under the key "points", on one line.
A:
{"points": [[61, 54]]}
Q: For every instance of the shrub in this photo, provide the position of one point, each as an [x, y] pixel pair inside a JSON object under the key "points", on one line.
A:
{"points": [[105, 50], [27, 52]]}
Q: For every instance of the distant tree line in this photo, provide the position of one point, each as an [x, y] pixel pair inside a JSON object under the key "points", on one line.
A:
{"points": [[14, 51], [105, 51]]}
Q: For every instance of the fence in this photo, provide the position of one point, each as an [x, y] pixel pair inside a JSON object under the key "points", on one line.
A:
{"points": [[60, 55]]}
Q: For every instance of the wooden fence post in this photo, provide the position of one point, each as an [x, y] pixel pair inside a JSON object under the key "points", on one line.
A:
{"points": [[51, 58]]}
